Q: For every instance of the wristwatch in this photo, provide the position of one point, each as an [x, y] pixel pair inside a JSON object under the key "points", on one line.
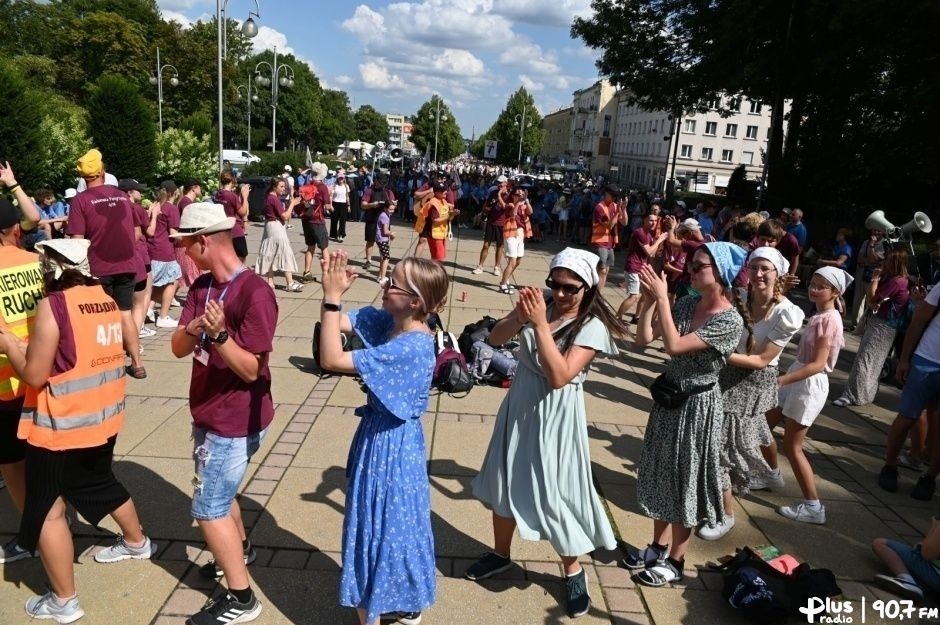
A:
{"points": [[332, 307], [220, 338]]}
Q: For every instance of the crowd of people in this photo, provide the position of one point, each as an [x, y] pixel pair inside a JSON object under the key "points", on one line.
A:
{"points": [[712, 285]]}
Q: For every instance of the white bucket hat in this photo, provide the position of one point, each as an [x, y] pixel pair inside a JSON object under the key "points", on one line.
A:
{"points": [[203, 218]]}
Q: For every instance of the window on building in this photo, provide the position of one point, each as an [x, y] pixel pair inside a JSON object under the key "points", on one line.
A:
{"points": [[707, 154], [688, 126], [714, 104], [756, 107], [751, 132], [747, 158], [727, 156], [731, 130], [685, 151], [606, 125], [711, 128], [655, 126], [734, 104]]}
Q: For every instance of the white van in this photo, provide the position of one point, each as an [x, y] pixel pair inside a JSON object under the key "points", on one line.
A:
{"points": [[239, 158]]}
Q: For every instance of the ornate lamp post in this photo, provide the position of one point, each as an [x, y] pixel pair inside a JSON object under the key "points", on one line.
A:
{"points": [[437, 117], [520, 121], [157, 80], [286, 80], [249, 29], [249, 98]]}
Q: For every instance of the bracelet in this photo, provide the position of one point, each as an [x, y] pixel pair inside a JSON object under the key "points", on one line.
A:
{"points": [[14, 187]]}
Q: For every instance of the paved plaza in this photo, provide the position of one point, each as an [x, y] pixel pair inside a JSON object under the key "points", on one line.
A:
{"points": [[293, 496]]}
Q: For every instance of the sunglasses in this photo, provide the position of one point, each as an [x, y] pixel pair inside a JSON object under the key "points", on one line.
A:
{"points": [[567, 289], [391, 285], [697, 267]]}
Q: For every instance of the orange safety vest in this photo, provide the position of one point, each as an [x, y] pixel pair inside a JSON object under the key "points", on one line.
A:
{"points": [[606, 233], [439, 231], [21, 288], [84, 406]]}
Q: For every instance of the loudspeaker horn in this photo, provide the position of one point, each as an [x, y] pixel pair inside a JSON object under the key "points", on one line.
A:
{"points": [[395, 155], [920, 222], [878, 221]]}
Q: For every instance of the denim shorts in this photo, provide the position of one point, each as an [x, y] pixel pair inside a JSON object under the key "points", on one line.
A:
{"points": [[922, 570], [920, 388], [221, 463]]}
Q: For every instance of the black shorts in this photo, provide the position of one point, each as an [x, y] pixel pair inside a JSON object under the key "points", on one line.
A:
{"points": [[370, 231], [384, 249], [493, 234], [140, 286], [12, 449], [241, 246], [82, 477], [315, 235], [121, 289]]}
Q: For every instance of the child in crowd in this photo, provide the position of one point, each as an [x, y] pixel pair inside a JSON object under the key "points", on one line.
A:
{"points": [[913, 567], [805, 387], [383, 238], [388, 548]]}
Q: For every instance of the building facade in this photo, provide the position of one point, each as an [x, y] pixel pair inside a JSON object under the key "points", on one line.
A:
{"points": [[557, 130], [593, 112], [399, 130]]}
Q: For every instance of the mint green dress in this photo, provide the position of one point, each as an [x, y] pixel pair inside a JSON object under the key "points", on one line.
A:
{"points": [[537, 468]]}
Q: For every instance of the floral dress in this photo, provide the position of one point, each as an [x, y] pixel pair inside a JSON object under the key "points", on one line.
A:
{"points": [[388, 547], [678, 476], [537, 468]]}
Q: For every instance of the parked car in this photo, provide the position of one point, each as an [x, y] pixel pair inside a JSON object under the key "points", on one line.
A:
{"points": [[239, 158]]}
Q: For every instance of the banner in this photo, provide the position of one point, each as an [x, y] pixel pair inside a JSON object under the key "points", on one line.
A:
{"points": [[489, 149]]}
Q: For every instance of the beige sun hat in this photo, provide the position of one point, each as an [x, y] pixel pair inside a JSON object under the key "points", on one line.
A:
{"points": [[203, 218]]}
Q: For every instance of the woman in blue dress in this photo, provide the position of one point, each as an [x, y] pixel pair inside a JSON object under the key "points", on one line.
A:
{"points": [[388, 547]]}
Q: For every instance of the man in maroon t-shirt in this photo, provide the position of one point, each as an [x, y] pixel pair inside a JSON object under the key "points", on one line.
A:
{"points": [[771, 233], [641, 247], [227, 326], [105, 215], [494, 210], [317, 203]]}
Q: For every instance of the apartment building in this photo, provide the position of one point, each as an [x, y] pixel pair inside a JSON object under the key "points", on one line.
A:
{"points": [[399, 130], [557, 128]]}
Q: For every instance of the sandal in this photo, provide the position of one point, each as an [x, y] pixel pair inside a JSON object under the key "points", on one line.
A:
{"points": [[138, 373], [295, 287], [660, 574]]}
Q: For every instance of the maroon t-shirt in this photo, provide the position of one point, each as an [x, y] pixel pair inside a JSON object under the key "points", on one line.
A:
{"points": [[789, 247], [896, 289], [323, 200], [637, 257], [219, 400], [231, 203], [141, 255], [273, 207], [106, 216], [66, 355], [159, 245]]}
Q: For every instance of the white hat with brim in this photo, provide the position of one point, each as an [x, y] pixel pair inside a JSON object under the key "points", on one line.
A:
{"points": [[74, 250], [203, 218], [691, 224]]}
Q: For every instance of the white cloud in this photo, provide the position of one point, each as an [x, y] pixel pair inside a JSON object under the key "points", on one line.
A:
{"points": [[173, 16], [530, 55], [541, 13], [375, 76], [271, 39], [531, 85], [343, 80], [365, 23], [178, 5]]}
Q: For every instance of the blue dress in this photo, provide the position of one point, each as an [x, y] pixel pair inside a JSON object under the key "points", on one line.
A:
{"points": [[388, 547]]}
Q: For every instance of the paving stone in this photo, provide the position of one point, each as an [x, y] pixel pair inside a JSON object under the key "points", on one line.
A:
{"points": [[289, 559], [623, 600], [614, 577], [278, 460], [536, 571], [628, 618], [292, 437]]}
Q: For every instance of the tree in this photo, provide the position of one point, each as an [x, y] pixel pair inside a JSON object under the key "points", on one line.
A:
{"points": [[507, 132], [335, 122], [369, 125], [123, 128], [296, 105], [184, 154], [20, 132], [449, 140]]}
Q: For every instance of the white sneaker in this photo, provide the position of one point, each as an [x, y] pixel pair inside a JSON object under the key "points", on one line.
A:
{"points": [[804, 514], [478, 270], [151, 315], [167, 322], [841, 402], [146, 332], [909, 462], [715, 532], [496, 271], [767, 482], [174, 303]]}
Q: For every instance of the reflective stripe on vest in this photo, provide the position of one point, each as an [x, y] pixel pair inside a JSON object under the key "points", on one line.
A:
{"points": [[605, 233], [59, 389], [21, 288], [72, 423]]}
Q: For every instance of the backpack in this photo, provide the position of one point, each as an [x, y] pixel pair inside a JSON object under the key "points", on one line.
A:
{"points": [[451, 374], [765, 595], [350, 342], [312, 206], [473, 332]]}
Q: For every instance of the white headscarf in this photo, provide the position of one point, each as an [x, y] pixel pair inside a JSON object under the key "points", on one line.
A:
{"points": [[580, 262], [839, 278], [774, 257], [73, 254]]}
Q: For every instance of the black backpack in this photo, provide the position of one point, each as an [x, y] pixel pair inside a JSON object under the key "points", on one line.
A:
{"points": [[473, 332], [451, 374], [350, 342]]}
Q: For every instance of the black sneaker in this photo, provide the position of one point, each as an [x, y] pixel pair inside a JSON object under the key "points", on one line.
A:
{"points": [[659, 574], [578, 600], [490, 564], [888, 479], [645, 557], [211, 570], [924, 488], [226, 610]]}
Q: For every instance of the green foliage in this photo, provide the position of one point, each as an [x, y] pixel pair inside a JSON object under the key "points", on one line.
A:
{"points": [[297, 110], [64, 130], [272, 163], [20, 127], [741, 191], [506, 130], [123, 128], [369, 125], [449, 141], [183, 155], [335, 123], [198, 123]]}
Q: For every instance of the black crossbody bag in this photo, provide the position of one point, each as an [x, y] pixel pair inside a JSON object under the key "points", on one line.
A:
{"points": [[670, 395]]}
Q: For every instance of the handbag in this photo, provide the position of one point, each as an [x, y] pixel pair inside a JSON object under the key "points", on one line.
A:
{"points": [[670, 395]]}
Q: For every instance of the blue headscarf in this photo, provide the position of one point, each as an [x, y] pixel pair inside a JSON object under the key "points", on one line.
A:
{"points": [[729, 259]]}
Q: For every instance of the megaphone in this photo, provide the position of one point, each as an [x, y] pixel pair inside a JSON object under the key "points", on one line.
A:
{"points": [[920, 222], [396, 154], [878, 221]]}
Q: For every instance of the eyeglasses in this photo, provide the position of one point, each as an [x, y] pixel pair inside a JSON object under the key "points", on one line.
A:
{"points": [[567, 289], [391, 285], [697, 267], [759, 270]]}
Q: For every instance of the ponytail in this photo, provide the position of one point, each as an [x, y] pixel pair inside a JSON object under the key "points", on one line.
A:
{"points": [[745, 312]]}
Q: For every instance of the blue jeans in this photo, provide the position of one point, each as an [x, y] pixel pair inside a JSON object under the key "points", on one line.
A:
{"points": [[922, 570], [220, 467], [920, 388]]}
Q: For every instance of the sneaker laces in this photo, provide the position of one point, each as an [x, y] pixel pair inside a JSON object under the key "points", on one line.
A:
{"points": [[577, 585]]}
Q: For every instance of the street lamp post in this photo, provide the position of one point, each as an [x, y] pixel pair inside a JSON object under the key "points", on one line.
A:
{"points": [[249, 98], [287, 80], [522, 127], [437, 125], [158, 81], [249, 29]]}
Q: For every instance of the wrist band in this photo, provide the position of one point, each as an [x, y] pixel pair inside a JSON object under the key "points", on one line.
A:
{"points": [[14, 187]]}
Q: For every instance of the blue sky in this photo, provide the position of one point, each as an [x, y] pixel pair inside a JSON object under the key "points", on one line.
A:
{"points": [[395, 55]]}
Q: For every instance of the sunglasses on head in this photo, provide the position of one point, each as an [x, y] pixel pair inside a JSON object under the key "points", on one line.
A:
{"points": [[567, 289]]}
